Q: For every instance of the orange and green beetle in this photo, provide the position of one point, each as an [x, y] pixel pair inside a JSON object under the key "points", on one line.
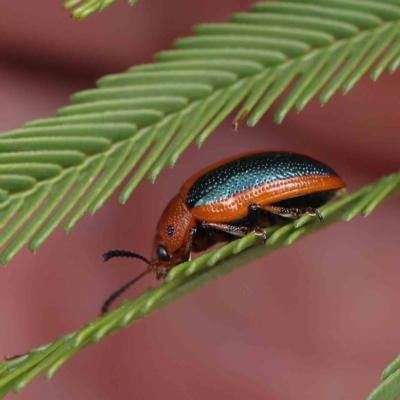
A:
{"points": [[232, 198]]}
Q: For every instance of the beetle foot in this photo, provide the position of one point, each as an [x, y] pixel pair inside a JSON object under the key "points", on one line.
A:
{"points": [[313, 212], [260, 232]]}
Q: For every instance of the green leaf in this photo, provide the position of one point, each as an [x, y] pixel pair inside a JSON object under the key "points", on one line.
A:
{"points": [[185, 278], [88, 7], [389, 389]]}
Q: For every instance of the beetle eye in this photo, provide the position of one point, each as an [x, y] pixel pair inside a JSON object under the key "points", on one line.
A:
{"points": [[170, 230], [162, 253]]}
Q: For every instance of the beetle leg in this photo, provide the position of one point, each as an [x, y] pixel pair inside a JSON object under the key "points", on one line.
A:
{"points": [[313, 212], [188, 247], [253, 211], [240, 231], [259, 232], [291, 212]]}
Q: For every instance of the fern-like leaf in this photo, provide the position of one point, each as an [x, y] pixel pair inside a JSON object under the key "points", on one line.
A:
{"points": [[185, 278], [59, 168], [389, 389], [84, 8]]}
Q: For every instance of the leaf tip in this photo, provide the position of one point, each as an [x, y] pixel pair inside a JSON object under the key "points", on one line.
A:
{"points": [[66, 228], [279, 117], [252, 121], [299, 105], [19, 386], [76, 18], [375, 74], [347, 216], [48, 375], [200, 140], [239, 119], [124, 197], [172, 160], [4, 260], [325, 97], [95, 207], [348, 85]]}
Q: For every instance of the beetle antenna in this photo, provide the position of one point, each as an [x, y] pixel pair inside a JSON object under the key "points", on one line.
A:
{"points": [[116, 294], [123, 253], [121, 290]]}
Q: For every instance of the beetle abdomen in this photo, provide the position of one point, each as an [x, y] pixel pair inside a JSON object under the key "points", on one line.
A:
{"points": [[250, 171], [223, 191]]}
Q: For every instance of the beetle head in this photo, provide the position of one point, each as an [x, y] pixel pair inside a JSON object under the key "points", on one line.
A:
{"points": [[172, 235], [170, 246]]}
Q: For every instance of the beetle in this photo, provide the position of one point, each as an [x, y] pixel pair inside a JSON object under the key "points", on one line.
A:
{"points": [[232, 198]]}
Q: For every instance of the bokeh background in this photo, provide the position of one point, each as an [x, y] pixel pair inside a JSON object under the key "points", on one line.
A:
{"points": [[317, 320]]}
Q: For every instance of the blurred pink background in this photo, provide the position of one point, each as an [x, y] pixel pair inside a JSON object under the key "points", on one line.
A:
{"points": [[325, 333]]}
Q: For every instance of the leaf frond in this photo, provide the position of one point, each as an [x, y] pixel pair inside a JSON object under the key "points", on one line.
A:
{"points": [[54, 170], [389, 389], [15, 374], [84, 8]]}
